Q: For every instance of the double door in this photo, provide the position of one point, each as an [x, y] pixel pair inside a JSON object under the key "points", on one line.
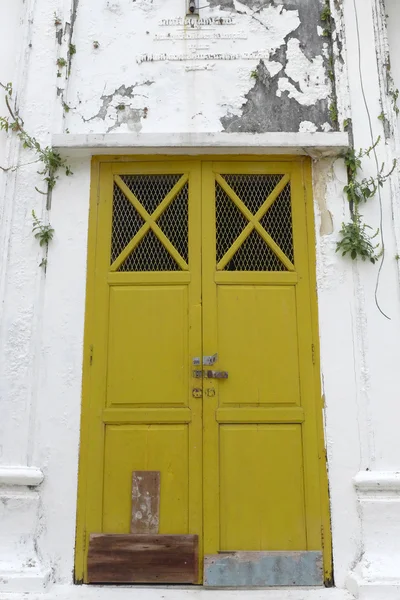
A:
{"points": [[201, 357]]}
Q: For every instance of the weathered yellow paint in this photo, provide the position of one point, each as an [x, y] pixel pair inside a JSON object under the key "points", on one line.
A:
{"points": [[261, 349], [140, 371], [151, 448], [243, 467], [262, 505]]}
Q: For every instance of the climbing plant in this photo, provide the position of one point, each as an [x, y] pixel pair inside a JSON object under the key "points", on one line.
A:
{"points": [[356, 240], [50, 160]]}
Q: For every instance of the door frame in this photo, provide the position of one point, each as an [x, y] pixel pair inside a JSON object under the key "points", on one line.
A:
{"points": [[89, 328]]}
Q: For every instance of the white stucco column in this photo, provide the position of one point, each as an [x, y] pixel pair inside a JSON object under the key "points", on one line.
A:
{"points": [[26, 61], [376, 572]]}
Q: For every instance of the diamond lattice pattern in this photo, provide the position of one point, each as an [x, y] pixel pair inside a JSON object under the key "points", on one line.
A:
{"points": [[150, 254], [150, 190], [126, 223], [254, 254]]}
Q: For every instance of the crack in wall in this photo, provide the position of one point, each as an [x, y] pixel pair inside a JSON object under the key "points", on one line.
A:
{"points": [[123, 92], [74, 12]]}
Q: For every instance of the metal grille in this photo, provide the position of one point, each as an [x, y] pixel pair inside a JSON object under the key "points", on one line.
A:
{"points": [[126, 223], [150, 254], [254, 255], [229, 221], [277, 221], [253, 190], [174, 222], [150, 190]]}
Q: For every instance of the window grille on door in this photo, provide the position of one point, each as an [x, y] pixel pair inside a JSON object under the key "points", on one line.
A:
{"points": [[150, 223], [253, 223]]}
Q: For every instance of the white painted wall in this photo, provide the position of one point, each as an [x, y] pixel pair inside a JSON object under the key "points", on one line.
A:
{"points": [[42, 316]]}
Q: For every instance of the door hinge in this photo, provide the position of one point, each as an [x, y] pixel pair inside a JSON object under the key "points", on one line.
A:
{"points": [[91, 355], [313, 354]]}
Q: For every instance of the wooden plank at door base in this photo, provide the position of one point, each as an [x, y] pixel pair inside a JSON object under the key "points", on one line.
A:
{"points": [[263, 569], [142, 558]]}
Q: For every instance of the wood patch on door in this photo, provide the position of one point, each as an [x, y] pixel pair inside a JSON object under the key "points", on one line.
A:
{"points": [[145, 501]]}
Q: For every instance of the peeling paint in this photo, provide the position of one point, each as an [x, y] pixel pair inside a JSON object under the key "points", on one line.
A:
{"points": [[302, 77], [268, 109], [322, 177]]}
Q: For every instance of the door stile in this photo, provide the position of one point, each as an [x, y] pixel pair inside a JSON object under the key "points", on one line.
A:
{"points": [[195, 350], [326, 533], [84, 470], [210, 347], [98, 346], [306, 356]]}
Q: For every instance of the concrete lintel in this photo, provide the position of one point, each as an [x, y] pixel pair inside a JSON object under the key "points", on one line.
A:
{"points": [[18, 475], [316, 145]]}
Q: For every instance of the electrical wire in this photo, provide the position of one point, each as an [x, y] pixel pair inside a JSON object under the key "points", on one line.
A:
{"points": [[376, 163]]}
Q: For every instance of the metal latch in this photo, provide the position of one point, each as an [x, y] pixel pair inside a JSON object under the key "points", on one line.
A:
{"points": [[208, 374], [215, 374]]}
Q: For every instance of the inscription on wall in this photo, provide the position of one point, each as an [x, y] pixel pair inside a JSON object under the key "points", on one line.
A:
{"points": [[207, 31]]}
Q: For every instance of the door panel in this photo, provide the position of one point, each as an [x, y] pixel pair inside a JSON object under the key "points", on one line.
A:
{"points": [[262, 497], [257, 339], [161, 448], [154, 344], [196, 258]]}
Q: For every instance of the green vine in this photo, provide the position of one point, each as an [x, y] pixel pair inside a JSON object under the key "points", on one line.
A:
{"points": [[356, 239], [51, 160], [43, 233], [326, 18], [392, 91]]}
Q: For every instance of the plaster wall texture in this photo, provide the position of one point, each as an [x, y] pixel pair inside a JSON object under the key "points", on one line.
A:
{"points": [[42, 314]]}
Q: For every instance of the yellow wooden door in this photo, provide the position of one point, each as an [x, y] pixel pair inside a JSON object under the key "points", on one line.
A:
{"points": [[262, 442], [143, 326], [190, 262]]}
